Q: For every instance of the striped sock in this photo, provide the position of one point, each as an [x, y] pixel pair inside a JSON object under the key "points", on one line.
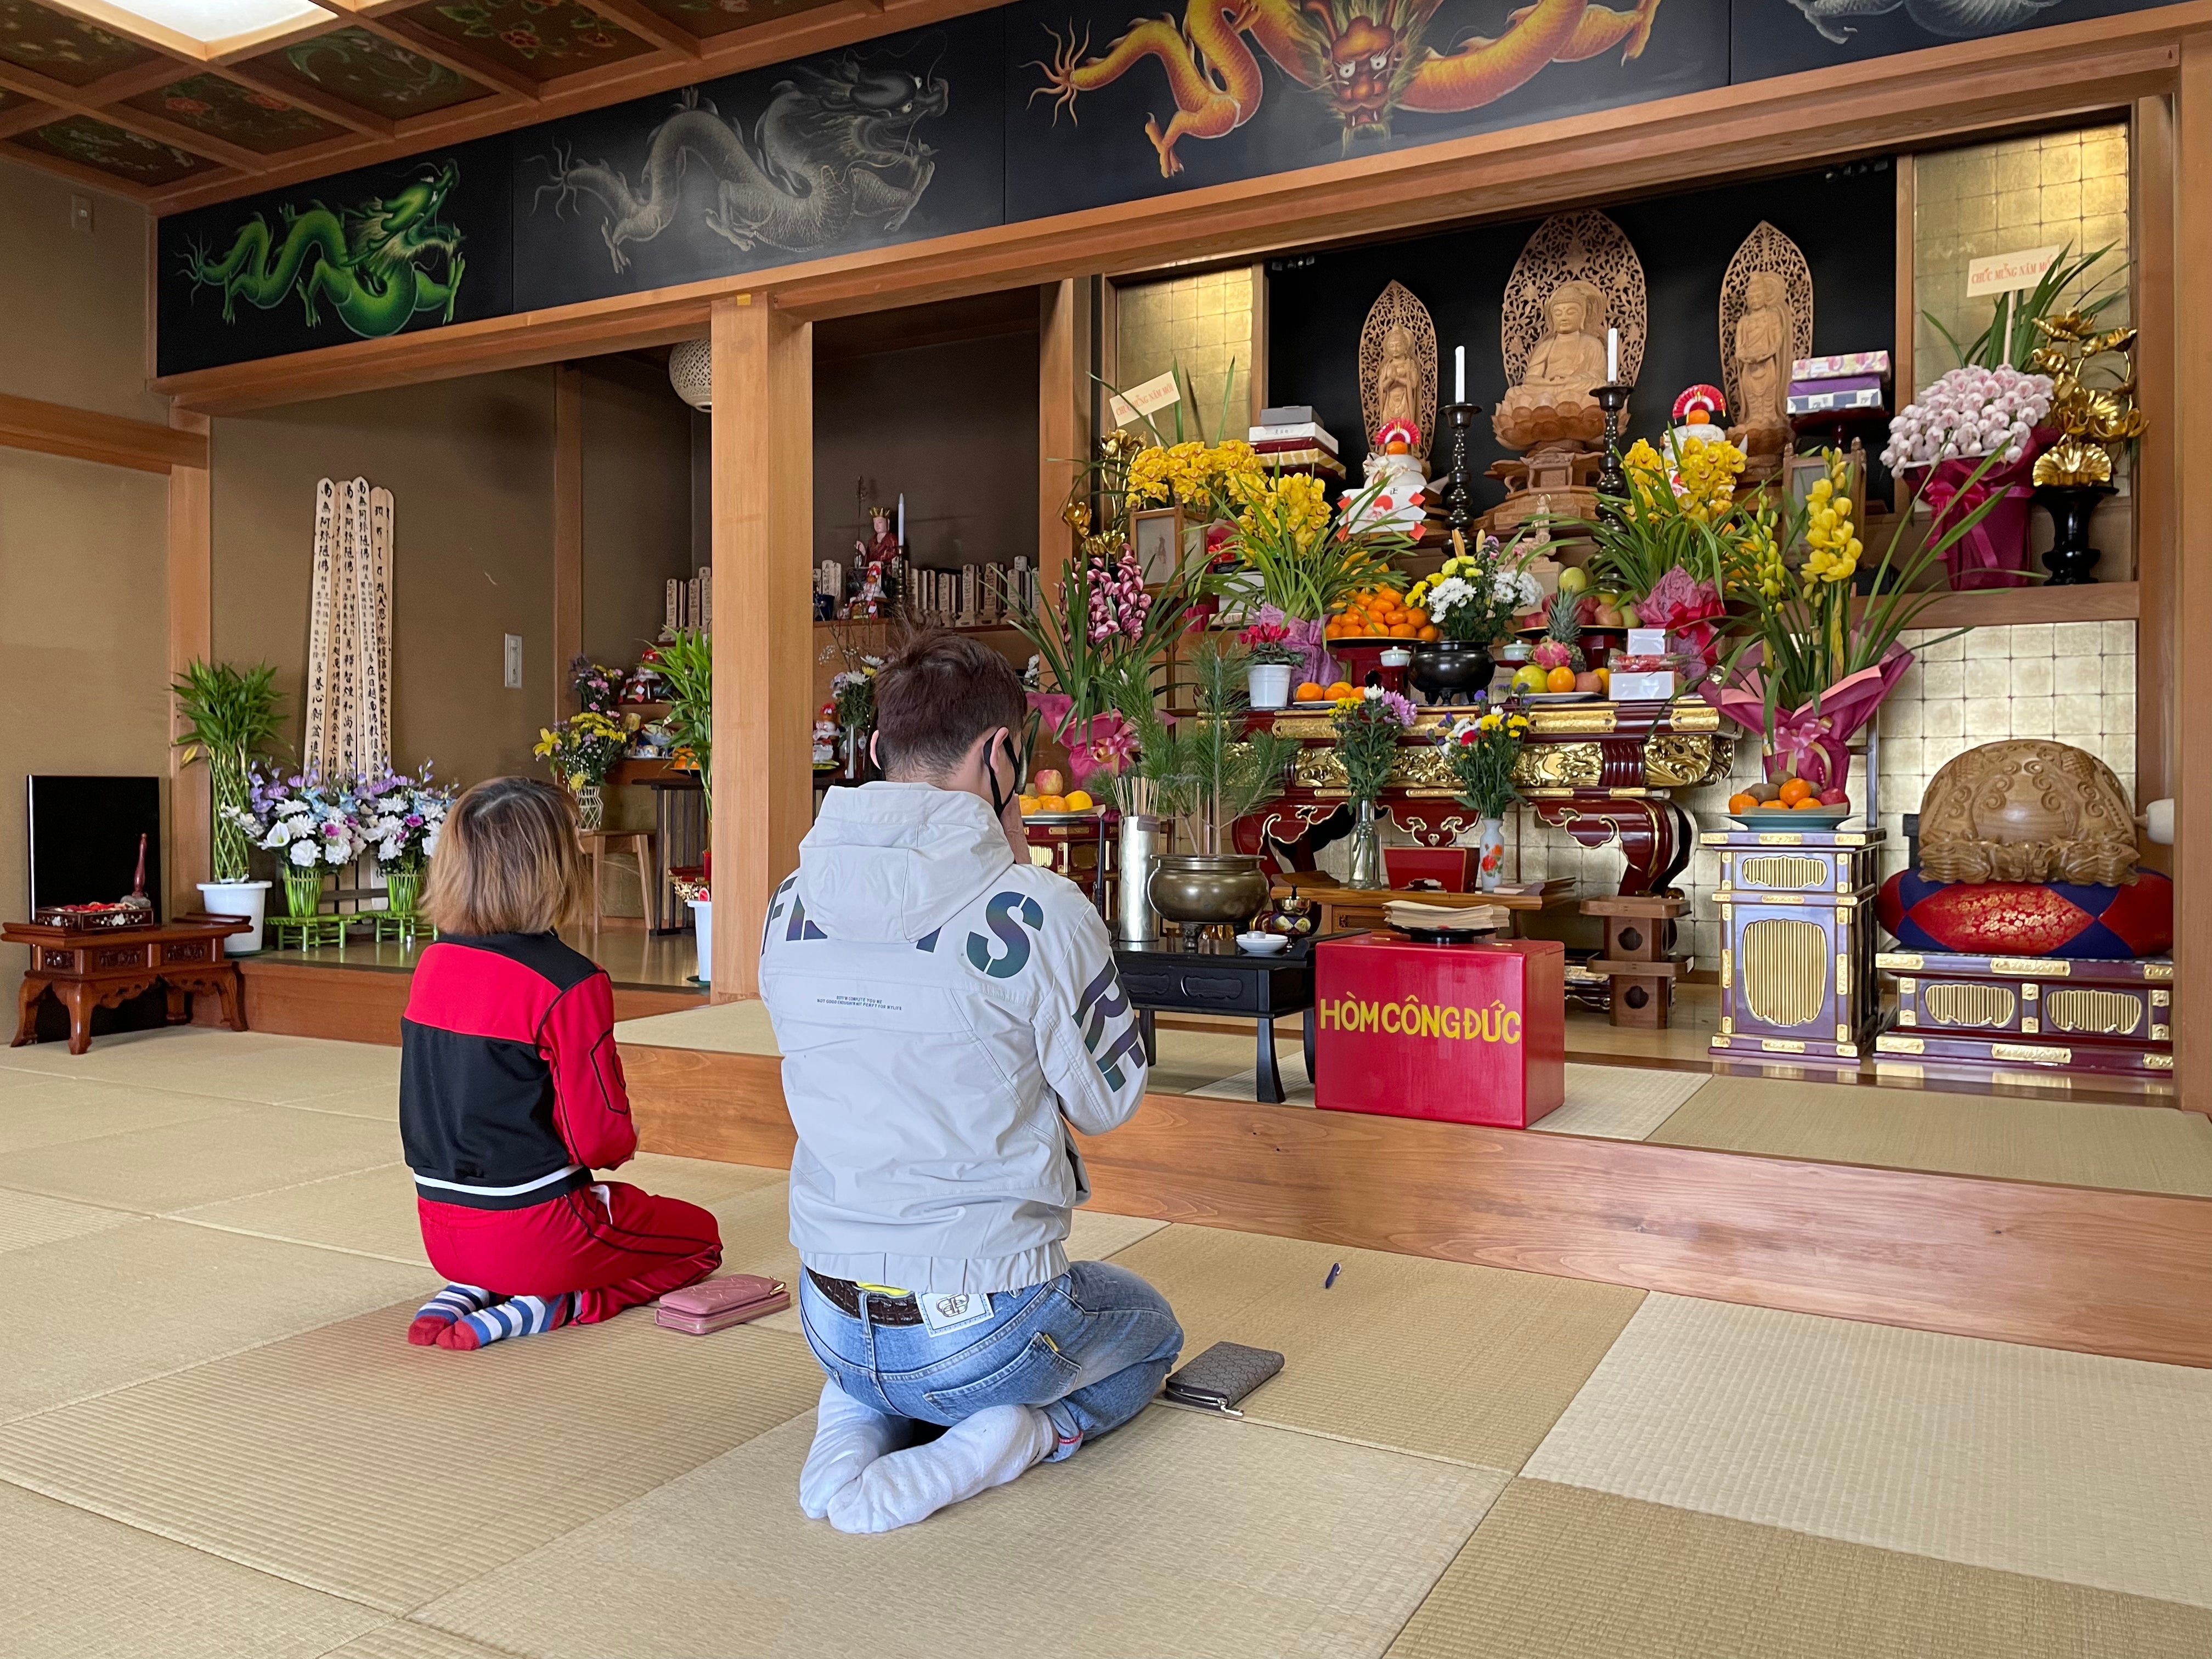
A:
{"points": [[519, 1316], [454, 1301]]}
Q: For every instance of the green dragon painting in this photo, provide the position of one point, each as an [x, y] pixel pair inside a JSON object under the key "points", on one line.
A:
{"points": [[366, 264]]}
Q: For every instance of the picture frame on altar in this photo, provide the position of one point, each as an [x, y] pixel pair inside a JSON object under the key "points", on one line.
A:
{"points": [[1802, 469], [1156, 538]]}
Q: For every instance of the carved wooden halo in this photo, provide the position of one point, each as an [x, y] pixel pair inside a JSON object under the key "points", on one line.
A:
{"points": [[1765, 249], [1394, 306], [1568, 246]]}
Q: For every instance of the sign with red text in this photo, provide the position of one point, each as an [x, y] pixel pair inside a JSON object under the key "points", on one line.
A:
{"points": [[2001, 273]]}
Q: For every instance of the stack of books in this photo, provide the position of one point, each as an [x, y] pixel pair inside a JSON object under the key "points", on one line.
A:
{"points": [[1822, 386], [1290, 439]]}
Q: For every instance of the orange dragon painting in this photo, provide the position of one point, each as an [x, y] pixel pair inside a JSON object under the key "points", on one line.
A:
{"points": [[1366, 58]]}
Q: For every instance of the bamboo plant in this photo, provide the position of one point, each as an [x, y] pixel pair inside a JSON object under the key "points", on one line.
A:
{"points": [[687, 667], [231, 716], [1202, 769]]}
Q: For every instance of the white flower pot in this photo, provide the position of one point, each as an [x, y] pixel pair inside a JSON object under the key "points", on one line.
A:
{"points": [[702, 919], [1269, 683], [237, 898]]}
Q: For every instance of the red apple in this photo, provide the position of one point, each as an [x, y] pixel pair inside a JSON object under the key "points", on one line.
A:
{"points": [[1589, 682], [1047, 782], [1835, 798]]}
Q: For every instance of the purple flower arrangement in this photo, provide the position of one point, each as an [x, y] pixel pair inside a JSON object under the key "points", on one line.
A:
{"points": [[1118, 603], [312, 823]]}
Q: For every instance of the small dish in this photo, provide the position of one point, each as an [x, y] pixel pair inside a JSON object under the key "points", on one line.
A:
{"points": [[1261, 944], [1794, 817]]}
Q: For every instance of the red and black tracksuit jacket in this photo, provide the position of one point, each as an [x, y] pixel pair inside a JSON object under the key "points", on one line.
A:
{"points": [[510, 1089]]}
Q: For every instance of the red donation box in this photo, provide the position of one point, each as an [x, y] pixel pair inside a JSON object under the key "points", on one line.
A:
{"points": [[1471, 1033]]}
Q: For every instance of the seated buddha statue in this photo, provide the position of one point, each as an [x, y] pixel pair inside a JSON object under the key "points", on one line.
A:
{"points": [[1553, 404]]}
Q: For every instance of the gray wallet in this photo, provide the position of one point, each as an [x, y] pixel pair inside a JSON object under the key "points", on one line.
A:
{"points": [[1222, 1376]]}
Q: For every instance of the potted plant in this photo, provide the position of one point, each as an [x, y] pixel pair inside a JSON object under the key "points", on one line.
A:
{"points": [[1470, 601], [685, 665], [1286, 555], [230, 716], [1270, 657], [1203, 771], [1678, 542], [582, 749], [400, 819], [1483, 749], [1369, 724], [1973, 439]]}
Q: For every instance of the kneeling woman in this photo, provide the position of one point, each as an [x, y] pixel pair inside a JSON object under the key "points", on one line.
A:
{"points": [[511, 1094]]}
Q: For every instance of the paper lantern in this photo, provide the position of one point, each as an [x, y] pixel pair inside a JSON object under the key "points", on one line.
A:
{"points": [[691, 372]]}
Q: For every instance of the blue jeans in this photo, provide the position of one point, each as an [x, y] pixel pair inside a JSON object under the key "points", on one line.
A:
{"points": [[1090, 1348]]}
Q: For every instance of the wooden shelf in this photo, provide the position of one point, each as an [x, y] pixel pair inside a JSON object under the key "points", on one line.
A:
{"points": [[1998, 607], [886, 622]]}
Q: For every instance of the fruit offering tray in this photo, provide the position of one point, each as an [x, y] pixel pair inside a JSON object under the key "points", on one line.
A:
{"points": [[94, 918]]}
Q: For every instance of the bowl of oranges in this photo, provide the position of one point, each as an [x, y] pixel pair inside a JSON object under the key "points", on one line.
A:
{"points": [[1792, 803], [1049, 803], [1379, 614], [1312, 693]]}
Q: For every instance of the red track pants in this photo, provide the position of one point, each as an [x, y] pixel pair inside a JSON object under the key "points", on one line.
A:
{"points": [[616, 1253]]}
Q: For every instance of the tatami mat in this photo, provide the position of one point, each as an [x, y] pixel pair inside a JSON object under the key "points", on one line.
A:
{"points": [[255, 1149], [207, 1059], [1561, 1572], [1194, 1062], [347, 1460], [1435, 1357], [1198, 1537], [2027, 1459], [1298, 1089], [736, 1028], [26, 1219], [372, 1211], [2149, 1149], [36, 1109], [1620, 1103], [80, 1587], [109, 1307], [406, 1639]]}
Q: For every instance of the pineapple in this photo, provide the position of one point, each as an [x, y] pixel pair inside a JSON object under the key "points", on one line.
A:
{"points": [[1562, 629]]}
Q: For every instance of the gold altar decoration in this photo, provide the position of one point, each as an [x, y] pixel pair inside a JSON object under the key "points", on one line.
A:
{"points": [[2027, 809], [1671, 761], [2093, 417], [1398, 364], [1577, 276], [1766, 325]]}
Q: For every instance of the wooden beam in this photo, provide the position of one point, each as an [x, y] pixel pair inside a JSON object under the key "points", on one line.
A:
{"points": [[337, 111], [24, 117], [397, 29], [2097, 1272], [364, 1004], [1063, 413], [648, 24], [191, 638], [2192, 395], [1906, 326], [2157, 487], [567, 528], [763, 542], [1255, 353], [85, 435]]}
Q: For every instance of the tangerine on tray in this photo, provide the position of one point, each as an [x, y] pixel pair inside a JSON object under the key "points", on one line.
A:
{"points": [[1742, 802], [1795, 790], [1560, 680], [1809, 800], [1311, 691], [1339, 691]]}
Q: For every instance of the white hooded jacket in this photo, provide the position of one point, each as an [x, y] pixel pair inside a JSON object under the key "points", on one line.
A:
{"points": [[940, 1006]]}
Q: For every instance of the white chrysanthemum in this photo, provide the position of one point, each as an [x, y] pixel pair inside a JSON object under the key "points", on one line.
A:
{"points": [[303, 853]]}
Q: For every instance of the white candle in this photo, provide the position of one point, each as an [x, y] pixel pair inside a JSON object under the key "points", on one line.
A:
{"points": [[901, 519], [1459, 374], [1612, 357]]}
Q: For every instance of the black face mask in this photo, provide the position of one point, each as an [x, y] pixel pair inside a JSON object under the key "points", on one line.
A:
{"points": [[1000, 798]]}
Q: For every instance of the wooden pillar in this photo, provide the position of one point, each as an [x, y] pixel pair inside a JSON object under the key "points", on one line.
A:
{"points": [[1063, 411], [763, 542], [2191, 744], [567, 530], [2158, 482], [1907, 302], [191, 635]]}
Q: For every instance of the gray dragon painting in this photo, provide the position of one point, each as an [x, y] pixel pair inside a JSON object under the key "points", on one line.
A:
{"points": [[1960, 20], [834, 152]]}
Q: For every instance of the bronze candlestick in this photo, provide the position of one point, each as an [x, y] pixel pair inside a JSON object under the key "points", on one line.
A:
{"points": [[1458, 493], [1612, 481]]}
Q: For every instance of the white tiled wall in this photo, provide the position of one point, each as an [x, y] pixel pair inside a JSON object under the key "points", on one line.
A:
{"points": [[2075, 681]]}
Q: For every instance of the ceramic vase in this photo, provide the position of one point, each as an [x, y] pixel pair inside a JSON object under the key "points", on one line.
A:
{"points": [[855, 767], [1138, 842], [1269, 684], [591, 806], [249, 899], [1490, 856], [1451, 670], [2071, 559], [1365, 870], [303, 892], [703, 922]]}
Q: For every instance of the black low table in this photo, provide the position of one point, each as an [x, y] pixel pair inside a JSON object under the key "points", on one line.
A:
{"points": [[1164, 976]]}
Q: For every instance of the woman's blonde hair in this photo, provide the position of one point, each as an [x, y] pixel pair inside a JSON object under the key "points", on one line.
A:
{"points": [[508, 861]]}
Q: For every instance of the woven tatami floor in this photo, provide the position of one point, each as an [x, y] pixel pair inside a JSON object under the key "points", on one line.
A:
{"points": [[215, 1443]]}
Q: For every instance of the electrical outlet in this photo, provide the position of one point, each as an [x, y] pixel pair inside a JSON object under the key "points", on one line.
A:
{"points": [[80, 215], [515, 662]]}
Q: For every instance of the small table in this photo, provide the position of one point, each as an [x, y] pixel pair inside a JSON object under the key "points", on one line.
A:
{"points": [[88, 970], [1361, 910], [1223, 982]]}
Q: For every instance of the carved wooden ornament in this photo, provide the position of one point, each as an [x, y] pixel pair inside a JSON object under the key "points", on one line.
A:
{"points": [[1585, 248], [1765, 249], [1396, 307], [2027, 809]]}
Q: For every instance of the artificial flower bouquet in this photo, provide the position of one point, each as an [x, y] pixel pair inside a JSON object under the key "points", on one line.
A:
{"points": [[308, 821], [1475, 596], [1973, 437], [400, 817], [584, 748], [1483, 749], [1369, 724]]}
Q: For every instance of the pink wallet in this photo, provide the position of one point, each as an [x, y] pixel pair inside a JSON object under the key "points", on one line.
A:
{"points": [[714, 1304]]}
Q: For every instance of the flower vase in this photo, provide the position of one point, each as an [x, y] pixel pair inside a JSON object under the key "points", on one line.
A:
{"points": [[1139, 840], [403, 891], [2071, 559], [1490, 854], [1269, 684], [1365, 870], [237, 898], [591, 806], [855, 767], [303, 893], [702, 923]]}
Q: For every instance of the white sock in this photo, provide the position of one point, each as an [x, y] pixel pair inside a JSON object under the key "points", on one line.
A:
{"points": [[847, 1437], [985, 1450]]}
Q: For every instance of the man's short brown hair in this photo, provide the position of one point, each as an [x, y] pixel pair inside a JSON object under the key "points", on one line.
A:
{"points": [[936, 696], [508, 861]]}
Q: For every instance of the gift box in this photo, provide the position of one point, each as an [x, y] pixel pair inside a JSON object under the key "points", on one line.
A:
{"points": [[1661, 686], [1819, 399], [1649, 642], [1473, 1033], [1845, 362], [1451, 867]]}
